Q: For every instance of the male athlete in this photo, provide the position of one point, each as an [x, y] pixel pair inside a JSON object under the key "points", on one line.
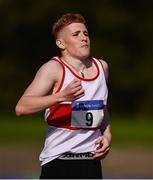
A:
{"points": [[72, 90]]}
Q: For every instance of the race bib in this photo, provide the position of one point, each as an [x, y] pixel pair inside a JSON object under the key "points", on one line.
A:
{"points": [[87, 114]]}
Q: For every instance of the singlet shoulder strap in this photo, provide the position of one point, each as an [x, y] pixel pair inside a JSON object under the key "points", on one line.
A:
{"points": [[104, 70], [56, 58]]}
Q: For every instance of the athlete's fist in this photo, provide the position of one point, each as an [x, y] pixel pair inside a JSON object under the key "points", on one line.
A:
{"points": [[103, 147], [73, 90]]}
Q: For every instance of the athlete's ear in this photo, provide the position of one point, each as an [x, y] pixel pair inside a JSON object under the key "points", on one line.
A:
{"points": [[60, 44]]}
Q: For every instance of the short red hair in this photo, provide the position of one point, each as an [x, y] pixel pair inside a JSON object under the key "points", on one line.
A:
{"points": [[65, 20]]}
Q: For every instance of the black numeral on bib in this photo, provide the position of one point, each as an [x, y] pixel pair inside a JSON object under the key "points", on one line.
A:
{"points": [[89, 119]]}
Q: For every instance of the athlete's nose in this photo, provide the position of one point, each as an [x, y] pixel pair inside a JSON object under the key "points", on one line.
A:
{"points": [[83, 37]]}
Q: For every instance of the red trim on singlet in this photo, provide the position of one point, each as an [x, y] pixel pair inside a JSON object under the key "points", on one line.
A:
{"points": [[60, 114], [60, 117], [84, 79]]}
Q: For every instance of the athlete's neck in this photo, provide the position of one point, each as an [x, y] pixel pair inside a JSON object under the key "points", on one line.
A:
{"points": [[78, 65]]}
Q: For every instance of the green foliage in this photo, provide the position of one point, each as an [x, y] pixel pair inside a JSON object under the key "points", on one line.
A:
{"points": [[132, 131], [22, 130]]}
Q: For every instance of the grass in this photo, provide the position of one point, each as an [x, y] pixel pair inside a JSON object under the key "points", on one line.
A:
{"points": [[126, 131], [29, 129], [132, 131]]}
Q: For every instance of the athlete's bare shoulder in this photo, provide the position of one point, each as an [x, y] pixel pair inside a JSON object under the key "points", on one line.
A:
{"points": [[52, 68], [45, 78]]}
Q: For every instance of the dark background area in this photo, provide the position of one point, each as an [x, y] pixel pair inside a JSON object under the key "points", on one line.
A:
{"points": [[121, 33]]}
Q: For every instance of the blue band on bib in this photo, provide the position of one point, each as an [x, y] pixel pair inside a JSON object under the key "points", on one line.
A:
{"points": [[87, 105]]}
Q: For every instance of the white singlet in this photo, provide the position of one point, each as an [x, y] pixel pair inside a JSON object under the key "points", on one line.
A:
{"points": [[74, 126]]}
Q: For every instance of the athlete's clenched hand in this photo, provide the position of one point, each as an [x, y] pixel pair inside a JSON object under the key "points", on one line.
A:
{"points": [[73, 90]]}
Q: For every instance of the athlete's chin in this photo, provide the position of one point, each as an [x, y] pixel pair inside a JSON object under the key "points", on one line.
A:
{"points": [[84, 56]]}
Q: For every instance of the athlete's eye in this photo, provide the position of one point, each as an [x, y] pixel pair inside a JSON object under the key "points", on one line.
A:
{"points": [[75, 34], [86, 34]]}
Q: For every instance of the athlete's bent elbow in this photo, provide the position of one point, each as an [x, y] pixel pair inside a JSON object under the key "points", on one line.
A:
{"points": [[18, 110]]}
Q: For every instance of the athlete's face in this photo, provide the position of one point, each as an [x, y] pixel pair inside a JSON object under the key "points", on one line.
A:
{"points": [[74, 41]]}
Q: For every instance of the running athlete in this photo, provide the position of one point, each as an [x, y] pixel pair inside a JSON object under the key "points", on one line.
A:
{"points": [[72, 89]]}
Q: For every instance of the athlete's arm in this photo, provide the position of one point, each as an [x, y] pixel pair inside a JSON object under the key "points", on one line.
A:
{"points": [[36, 97], [104, 141]]}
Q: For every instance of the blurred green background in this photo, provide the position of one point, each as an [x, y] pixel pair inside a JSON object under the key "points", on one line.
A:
{"points": [[121, 33]]}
